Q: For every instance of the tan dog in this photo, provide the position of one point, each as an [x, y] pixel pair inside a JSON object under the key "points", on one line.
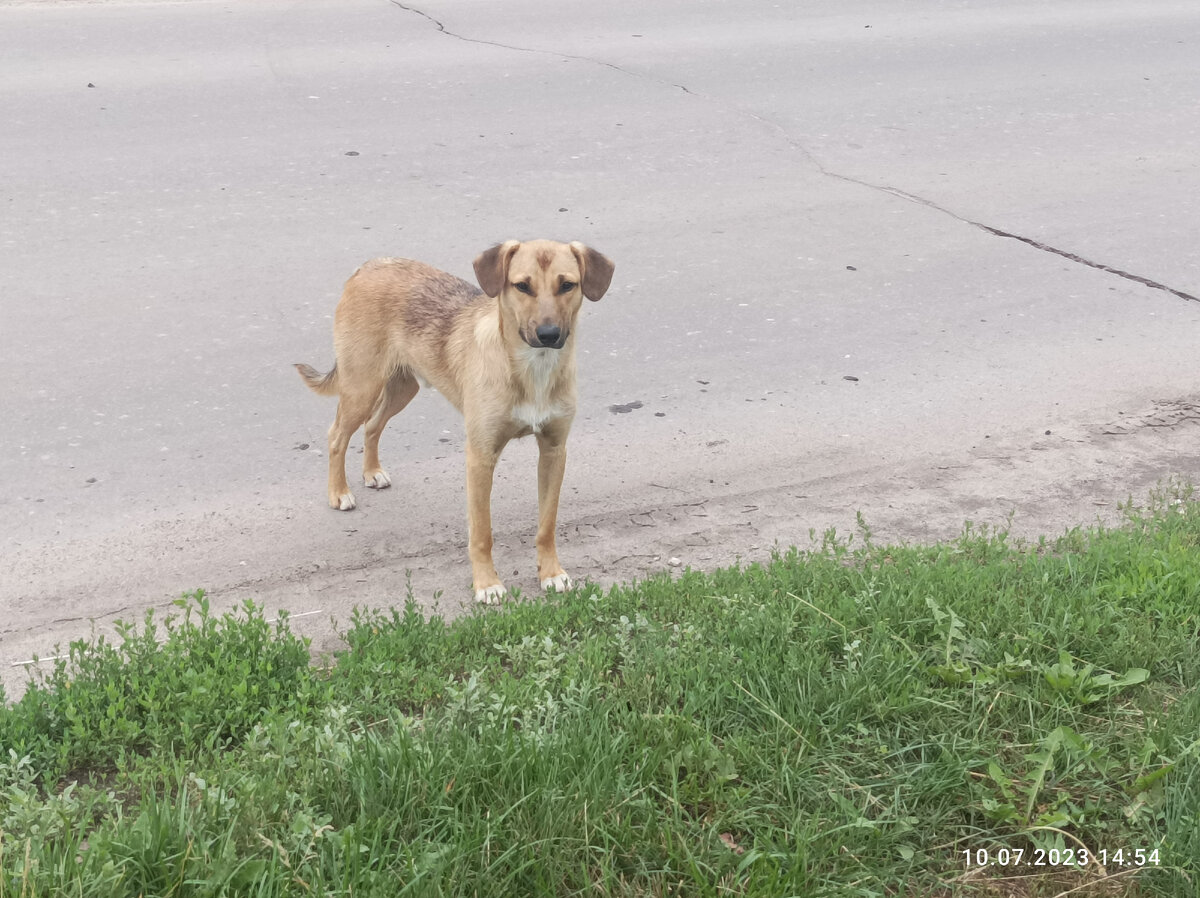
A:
{"points": [[504, 357]]}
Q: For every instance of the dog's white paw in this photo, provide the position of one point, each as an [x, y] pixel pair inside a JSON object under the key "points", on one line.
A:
{"points": [[492, 595], [343, 502], [561, 583], [377, 481]]}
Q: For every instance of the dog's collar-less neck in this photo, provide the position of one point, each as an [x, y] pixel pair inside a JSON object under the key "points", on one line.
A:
{"points": [[540, 362], [542, 367]]}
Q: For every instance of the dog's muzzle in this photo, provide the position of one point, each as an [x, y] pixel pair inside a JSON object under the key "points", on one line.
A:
{"points": [[549, 336]]}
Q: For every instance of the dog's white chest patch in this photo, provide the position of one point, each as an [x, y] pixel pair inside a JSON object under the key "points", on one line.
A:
{"points": [[534, 416], [541, 365]]}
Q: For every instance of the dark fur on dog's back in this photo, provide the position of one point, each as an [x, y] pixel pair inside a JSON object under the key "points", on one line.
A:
{"points": [[437, 301], [435, 305]]}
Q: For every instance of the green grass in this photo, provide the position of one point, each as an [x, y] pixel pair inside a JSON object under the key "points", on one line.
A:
{"points": [[847, 720]]}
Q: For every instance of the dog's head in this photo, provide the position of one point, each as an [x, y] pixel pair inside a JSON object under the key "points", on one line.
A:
{"points": [[541, 285]]}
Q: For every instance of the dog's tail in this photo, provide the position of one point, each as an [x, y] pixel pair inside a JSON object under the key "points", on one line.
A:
{"points": [[325, 384]]}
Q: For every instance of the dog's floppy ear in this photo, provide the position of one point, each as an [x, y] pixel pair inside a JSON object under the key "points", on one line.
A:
{"points": [[596, 270], [491, 266]]}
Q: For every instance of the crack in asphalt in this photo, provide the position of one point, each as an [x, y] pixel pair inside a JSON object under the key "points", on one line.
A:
{"points": [[816, 163], [476, 40], [1129, 276], [995, 232]]}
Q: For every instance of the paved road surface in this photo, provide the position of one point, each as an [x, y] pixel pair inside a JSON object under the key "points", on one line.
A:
{"points": [[929, 261]]}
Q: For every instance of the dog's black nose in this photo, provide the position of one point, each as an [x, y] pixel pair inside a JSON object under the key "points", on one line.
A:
{"points": [[549, 334]]}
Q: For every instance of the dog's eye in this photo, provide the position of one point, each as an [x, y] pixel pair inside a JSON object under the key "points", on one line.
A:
{"points": [[567, 286], [524, 287]]}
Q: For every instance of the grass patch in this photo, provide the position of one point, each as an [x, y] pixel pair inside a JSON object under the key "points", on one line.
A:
{"points": [[970, 718]]}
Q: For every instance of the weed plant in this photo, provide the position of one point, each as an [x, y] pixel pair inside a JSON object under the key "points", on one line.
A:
{"points": [[978, 717]]}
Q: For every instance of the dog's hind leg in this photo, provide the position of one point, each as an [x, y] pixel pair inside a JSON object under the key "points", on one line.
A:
{"points": [[354, 407], [400, 390]]}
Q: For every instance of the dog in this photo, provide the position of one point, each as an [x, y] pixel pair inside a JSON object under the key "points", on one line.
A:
{"points": [[504, 356]]}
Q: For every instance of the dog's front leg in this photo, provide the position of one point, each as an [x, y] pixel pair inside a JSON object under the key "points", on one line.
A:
{"points": [[481, 465], [552, 462]]}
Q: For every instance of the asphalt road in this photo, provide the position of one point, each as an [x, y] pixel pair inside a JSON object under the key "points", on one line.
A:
{"points": [[926, 261]]}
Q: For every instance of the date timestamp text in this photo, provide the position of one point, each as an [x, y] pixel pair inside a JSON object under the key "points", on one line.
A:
{"points": [[1060, 857]]}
